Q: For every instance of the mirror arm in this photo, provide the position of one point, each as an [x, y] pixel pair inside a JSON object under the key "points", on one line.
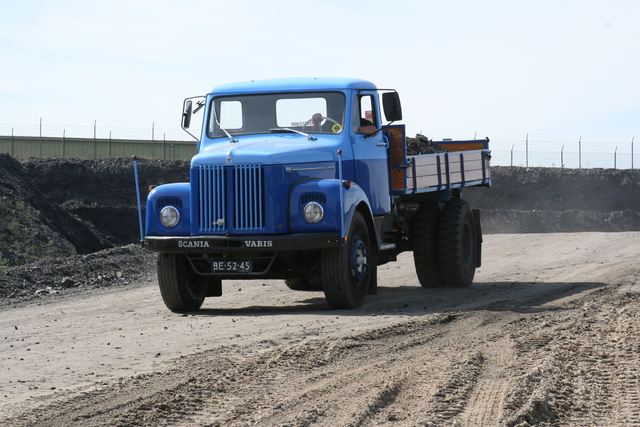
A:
{"points": [[188, 111]]}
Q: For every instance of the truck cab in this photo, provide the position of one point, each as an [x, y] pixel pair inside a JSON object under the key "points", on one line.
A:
{"points": [[292, 180]]}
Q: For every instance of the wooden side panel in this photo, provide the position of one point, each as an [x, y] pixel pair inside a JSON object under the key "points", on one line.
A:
{"points": [[397, 156], [462, 146]]}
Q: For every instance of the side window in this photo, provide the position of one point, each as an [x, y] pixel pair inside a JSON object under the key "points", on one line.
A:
{"points": [[363, 112]]}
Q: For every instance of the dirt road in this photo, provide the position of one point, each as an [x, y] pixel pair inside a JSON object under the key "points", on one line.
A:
{"points": [[547, 335]]}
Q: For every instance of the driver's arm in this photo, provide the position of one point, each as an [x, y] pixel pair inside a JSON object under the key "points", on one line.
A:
{"points": [[367, 128]]}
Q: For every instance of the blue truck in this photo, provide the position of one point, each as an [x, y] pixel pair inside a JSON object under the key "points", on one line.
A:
{"points": [[308, 180]]}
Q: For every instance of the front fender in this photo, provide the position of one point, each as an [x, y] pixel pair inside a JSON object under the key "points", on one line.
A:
{"points": [[326, 192], [177, 195]]}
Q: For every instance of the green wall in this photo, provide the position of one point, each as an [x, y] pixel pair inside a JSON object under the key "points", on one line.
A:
{"points": [[23, 147]]}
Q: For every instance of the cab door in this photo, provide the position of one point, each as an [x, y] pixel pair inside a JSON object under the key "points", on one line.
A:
{"points": [[370, 152]]}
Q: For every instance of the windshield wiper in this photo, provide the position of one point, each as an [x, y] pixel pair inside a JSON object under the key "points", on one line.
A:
{"points": [[276, 130], [215, 115]]}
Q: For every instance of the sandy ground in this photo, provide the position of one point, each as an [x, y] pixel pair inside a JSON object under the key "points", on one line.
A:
{"points": [[547, 335]]}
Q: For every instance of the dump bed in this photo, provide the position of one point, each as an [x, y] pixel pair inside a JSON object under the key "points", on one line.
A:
{"points": [[465, 164]]}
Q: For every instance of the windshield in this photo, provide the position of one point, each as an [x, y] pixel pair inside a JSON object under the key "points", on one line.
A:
{"points": [[310, 112]]}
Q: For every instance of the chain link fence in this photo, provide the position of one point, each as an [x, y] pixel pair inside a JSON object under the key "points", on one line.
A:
{"points": [[568, 151], [67, 128]]}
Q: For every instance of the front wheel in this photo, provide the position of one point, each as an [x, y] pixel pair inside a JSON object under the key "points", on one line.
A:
{"points": [[182, 289], [348, 271]]}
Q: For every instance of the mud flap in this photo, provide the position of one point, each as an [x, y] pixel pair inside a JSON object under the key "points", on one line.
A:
{"points": [[373, 279], [214, 288], [476, 217]]}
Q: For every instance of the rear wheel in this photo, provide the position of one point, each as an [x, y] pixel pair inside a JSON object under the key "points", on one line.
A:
{"points": [[182, 289], [458, 244], [426, 259], [347, 271]]}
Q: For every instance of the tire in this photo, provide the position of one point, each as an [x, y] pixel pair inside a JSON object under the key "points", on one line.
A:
{"points": [[347, 271], [426, 236], [313, 284], [182, 289], [458, 244]]}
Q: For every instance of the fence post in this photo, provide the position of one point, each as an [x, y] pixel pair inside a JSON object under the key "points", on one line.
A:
{"points": [[153, 138], [527, 150], [12, 142], [512, 154], [632, 152], [95, 143], [64, 131], [562, 157], [580, 153], [615, 158], [40, 137]]}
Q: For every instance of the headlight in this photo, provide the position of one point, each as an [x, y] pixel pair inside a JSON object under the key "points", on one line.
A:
{"points": [[169, 216], [313, 212]]}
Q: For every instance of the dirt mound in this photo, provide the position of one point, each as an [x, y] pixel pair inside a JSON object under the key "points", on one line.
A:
{"points": [[61, 275], [102, 192], [32, 226], [546, 200], [55, 210]]}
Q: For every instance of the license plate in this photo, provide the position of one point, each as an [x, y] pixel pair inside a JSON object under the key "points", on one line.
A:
{"points": [[240, 266]]}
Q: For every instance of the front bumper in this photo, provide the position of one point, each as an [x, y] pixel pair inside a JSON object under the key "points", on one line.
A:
{"points": [[229, 244]]}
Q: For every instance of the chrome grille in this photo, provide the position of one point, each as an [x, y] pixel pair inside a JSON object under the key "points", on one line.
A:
{"points": [[248, 198], [212, 199], [245, 205]]}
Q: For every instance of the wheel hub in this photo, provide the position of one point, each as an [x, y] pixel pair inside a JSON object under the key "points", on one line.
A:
{"points": [[359, 260]]}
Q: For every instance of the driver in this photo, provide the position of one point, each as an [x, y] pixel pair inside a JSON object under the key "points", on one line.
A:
{"points": [[327, 127], [317, 120]]}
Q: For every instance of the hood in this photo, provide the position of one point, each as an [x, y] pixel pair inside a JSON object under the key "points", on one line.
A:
{"points": [[266, 150]]}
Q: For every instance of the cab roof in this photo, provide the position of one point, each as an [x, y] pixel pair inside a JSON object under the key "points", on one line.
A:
{"points": [[300, 84]]}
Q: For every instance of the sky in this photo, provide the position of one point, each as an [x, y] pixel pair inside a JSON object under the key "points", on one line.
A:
{"points": [[498, 68]]}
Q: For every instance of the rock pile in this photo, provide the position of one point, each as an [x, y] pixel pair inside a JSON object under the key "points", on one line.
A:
{"points": [[423, 145]]}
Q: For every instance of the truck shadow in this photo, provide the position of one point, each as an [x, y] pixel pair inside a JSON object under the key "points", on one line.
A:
{"points": [[522, 297]]}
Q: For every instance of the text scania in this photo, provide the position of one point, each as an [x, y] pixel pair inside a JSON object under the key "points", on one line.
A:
{"points": [[193, 244], [258, 243]]}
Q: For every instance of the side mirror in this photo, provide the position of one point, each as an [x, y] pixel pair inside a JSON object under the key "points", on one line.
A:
{"points": [[186, 114], [391, 106]]}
